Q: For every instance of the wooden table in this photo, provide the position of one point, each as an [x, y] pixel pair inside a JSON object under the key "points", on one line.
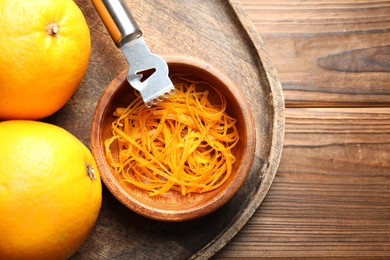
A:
{"points": [[331, 195]]}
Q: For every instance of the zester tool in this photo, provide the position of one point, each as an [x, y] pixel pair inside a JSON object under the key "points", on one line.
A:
{"points": [[148, 72]]}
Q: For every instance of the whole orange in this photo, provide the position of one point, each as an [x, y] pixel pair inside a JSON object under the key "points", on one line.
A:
{"points": [[50, 191], [45, 47]]}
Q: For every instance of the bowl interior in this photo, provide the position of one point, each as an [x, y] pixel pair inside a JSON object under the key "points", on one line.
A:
{"points": [[173, 206]]}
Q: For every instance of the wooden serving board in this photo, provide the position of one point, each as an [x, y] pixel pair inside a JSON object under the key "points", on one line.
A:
{"points": [[219, 33]]}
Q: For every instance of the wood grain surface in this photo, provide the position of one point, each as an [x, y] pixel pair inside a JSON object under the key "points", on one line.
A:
{"points": [[331, 196], [218, 33], [327, 53]]}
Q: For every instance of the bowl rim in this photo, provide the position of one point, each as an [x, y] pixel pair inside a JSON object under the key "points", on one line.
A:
{"points": [[166, 214]]}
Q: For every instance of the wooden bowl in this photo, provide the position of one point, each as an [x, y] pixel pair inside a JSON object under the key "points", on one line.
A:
{"points": [[173, 206]]}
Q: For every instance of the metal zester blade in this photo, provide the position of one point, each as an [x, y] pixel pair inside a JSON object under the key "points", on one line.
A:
{"points": [[148, 72]]}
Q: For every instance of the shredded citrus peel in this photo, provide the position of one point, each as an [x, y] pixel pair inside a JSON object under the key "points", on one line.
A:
{"points": [[183, 143]]}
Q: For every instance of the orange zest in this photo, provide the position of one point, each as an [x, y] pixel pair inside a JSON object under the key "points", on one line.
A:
{"points": [[183, 143]]}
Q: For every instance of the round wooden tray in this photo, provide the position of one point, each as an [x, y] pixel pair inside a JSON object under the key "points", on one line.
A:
{"points": [[219, 33]]}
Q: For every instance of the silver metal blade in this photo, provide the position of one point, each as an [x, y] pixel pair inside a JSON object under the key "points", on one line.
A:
{"points": [[148, 73]]}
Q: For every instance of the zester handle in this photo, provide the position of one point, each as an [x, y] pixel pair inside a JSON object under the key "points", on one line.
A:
{"points": [[118, 20]]}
